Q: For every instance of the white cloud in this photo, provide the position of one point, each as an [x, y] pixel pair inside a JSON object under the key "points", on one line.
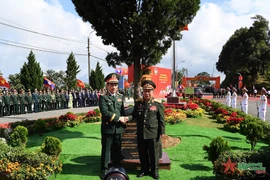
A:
{"points": [[200, 47]]}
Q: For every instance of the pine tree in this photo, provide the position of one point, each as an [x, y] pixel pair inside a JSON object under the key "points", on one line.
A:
{"points": [[99, 77], [71, 72], [31, 73], [93, 80]]}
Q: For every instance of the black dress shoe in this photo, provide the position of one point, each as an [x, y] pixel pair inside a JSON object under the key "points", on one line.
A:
{"points": [[155, 175], [141, 174], [102, 175]]}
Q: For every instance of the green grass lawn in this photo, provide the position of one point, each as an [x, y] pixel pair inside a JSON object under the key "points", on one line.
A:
{"points": [[82, 147]]}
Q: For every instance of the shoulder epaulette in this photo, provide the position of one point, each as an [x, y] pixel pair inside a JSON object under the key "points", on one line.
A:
{"points": [[139, 99], [119, 94], [157, 100]]}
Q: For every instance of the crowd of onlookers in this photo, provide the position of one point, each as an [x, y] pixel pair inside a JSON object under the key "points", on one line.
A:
{"points": [[16, 102]]}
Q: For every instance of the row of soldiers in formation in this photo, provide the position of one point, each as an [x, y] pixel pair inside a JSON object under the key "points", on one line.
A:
{"points": [[13, 103], [231, 101]]}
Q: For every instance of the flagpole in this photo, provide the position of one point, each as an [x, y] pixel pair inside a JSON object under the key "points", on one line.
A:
{"points": [[173, 74]]}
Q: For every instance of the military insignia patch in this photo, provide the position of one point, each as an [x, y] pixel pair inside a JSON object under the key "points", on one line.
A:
{"points": [[153, 108]]}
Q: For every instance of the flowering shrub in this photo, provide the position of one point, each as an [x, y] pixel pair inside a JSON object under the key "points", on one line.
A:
{"points": [[18, 164], [69, 119], [175, 106], [174, 116], [199, 112], [233, 122], [92, 116], [192, 106], [221, 111]]}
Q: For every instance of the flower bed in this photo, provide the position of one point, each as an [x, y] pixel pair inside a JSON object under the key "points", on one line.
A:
{"points": [[16, 163]]}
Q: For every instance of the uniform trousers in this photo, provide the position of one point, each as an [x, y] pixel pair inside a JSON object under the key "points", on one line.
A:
{"points": [[234, 104], [262, 114], [149, 154], [228, 103], [110, 143], [245, 108]]}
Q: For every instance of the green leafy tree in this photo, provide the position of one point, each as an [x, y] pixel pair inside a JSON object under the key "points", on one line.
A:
{"points": [[71, 72], [58, 78], [141, 31], [15, 81], [31, 74], [246, 52], [1, 74]]}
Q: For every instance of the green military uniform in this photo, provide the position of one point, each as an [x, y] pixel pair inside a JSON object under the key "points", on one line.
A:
{"points": [[35, 97], [41, 101], [23, 102], [53, 100], [149, 116], [63, 99], [58, 100], [15, 98], [11, 112], [1, 105], [29, 102], [7, 104], [111, 108], [49, 101]]}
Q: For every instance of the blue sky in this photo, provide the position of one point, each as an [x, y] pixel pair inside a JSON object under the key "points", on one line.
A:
{"points": [[199, 48]]}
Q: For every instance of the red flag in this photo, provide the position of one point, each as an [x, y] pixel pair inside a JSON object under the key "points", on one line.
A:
{"points": [[184, 28], [3, 82], [80, 84]]}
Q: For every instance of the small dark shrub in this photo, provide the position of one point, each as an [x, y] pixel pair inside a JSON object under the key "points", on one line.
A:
{"points": [[19, 136], [254, 132], [40, 126], [51, 146], [217, 146]]}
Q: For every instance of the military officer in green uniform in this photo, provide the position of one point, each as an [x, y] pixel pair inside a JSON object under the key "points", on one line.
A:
{"points": [[41, 101], [29, 101], [149, 115], [15, 102], [58, 99], [6, 98], [53, 100], [111, 106], [63, 99], [22, 101], [1, 105]]}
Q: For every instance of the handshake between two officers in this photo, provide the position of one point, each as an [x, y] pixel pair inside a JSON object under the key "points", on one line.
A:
{"points": [[123, 119]]}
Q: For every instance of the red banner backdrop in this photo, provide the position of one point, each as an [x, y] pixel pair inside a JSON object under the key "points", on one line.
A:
{"points": [[160, 76]]}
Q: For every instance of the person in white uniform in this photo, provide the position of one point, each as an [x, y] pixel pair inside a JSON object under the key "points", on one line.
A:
{"points": [[228, 97], [262, 104], [244, 102], [234, 97]]}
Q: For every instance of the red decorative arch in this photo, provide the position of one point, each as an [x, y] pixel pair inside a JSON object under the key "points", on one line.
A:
{"points": [[201, 78]]}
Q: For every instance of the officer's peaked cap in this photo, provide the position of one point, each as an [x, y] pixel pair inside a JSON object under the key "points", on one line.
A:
{"points": [[112, 78], [148, 84]]}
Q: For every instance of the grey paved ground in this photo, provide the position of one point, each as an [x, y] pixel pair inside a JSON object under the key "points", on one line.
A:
{"points": [[252, 109]]}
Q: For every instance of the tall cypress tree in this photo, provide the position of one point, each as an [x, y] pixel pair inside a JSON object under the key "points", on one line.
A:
{"points": [[99, 77], [93, 80], [71, 72], [31, 73]]}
